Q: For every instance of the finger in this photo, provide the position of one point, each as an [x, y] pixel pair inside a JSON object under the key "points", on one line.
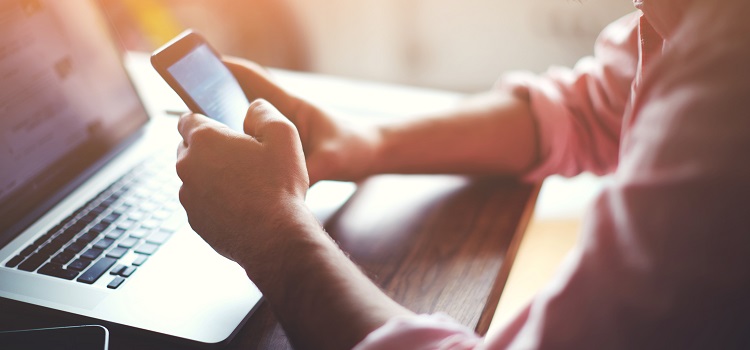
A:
{"points": [[181, 150], [313, 170], [187, 203], [181, 162], [188, 123], [257, 83], [265, 123]]}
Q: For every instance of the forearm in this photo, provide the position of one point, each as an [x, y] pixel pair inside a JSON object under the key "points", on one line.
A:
{"points": [[319, 296], [491, 133]]}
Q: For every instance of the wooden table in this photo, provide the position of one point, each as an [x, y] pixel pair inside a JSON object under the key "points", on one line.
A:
{"points": [[433, 243]]}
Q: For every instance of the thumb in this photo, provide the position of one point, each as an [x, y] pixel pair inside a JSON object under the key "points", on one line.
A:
{"points": [[315, 169], [257, 82], [266, 124]]}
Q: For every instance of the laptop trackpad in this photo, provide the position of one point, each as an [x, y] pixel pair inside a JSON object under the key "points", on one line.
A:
{"points": [[49, 292]]}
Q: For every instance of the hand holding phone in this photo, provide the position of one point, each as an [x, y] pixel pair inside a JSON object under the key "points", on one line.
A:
{"points": [[195, 71]]}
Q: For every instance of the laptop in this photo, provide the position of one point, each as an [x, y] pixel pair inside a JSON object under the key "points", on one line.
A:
{"points": [[90, 222]]}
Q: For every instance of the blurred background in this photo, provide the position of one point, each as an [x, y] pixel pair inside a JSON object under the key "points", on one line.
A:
{"points": [[449, 44]]}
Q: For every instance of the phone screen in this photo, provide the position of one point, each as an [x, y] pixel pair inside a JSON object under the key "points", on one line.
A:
{"points": [[63, 338], [211, 86]]}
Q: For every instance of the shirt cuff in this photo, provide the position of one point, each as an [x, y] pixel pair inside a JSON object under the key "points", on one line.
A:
{"points": [[550, 130], [421, 332]]}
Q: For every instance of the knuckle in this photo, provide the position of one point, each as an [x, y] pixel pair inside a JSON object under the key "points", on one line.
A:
{"points": [[281, 127], [183, 196], [181, 167], [256, 108], [182, 121], [258, 103], [202, 134]]}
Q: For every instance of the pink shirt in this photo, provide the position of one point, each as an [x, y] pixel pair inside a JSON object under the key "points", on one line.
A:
{"points": [[664, 258]]}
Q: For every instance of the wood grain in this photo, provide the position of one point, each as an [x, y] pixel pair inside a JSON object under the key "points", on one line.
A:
{"points": [[432, 243]]}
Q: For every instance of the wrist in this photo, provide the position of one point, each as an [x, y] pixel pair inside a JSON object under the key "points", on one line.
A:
{"points": [[312, 276], [292, 240]]}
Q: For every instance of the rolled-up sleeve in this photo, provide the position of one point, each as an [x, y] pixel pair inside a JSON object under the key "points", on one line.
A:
{"points": [[578, 112], [664, 258]]}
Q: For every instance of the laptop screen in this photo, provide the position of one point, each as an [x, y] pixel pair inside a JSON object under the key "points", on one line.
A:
{"points": [[65, 100]]}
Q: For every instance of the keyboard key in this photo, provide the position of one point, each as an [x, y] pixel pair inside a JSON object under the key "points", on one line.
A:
{"points": [[62, 258], [91, 216], [66, 235], [139, 233], [77, 227], [158, 237], [111, 218], [126, 272], [117, 252], [116, 233], [136, 215], [147, 248], [76, 247], [88, 237], [39, 241], [17, 260], [28, 250], [96, 270], [100, 227], [99, 209], [120, 210], [55, 244], [128, 243], [109, 201], [140, 259], [117, 269], [127, 224], [49, 234], [56, 270], [116, 282], [104, 243], [79, 264], [92, 253], [33, 262], [48, 249]]}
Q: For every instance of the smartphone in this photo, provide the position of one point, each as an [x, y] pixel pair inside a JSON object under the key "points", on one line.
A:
{"points": [[62, 338], [194, 70]]}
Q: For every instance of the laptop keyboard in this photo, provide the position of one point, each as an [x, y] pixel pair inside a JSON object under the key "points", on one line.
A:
{"points": [[115, 232]]}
